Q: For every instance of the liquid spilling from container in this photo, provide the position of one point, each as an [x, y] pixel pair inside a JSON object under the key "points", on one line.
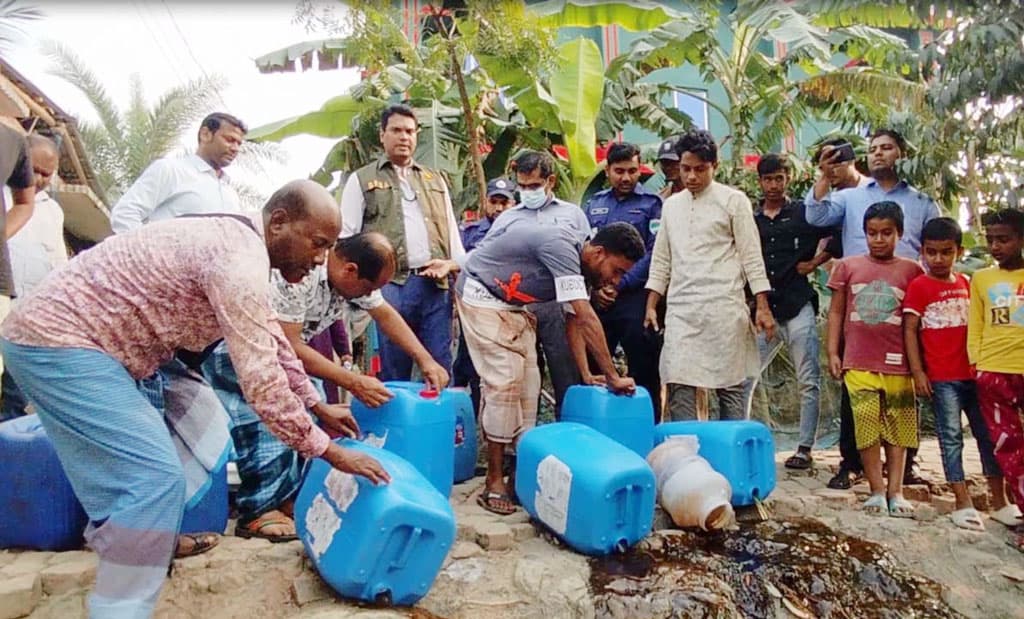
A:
{"points": [[801, 566]]}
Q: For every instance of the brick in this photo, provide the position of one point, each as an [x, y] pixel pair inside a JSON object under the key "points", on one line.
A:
{"points": [[925, 512], [787, 507], [523, 530], [465, 550], [307, 588], [838, 499], [494, 536], [917, 493], [28, 563], [980, 498], [467, 526], [19, 595], [944, 504], [68, 575]]}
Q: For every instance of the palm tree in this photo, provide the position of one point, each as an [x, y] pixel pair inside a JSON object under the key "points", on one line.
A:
{"points": [[124, 142], [12, 15]]}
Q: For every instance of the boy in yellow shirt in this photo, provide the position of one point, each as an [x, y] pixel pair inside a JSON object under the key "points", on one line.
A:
{"points": [[995, 344]]}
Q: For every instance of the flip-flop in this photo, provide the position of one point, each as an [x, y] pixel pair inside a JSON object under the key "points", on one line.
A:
{"points": [[875, 505], [968, 518], [255, 528], [899, 507], [201, 542], [801, 460], [491, 502], [1007, 515]]}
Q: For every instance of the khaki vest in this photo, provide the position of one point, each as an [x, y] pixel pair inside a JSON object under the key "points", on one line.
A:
{"points": [[382, 198]]}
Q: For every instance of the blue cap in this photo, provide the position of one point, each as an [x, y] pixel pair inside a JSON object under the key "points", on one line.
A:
{"points": [[501, 187]]}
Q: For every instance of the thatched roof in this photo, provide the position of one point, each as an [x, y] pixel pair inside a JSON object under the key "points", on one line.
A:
{"points": [[78, 192]]}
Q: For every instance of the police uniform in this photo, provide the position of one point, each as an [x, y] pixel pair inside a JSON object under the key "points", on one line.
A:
{"points": [[623, 321]]}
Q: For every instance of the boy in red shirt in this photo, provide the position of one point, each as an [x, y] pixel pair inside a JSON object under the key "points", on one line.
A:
{"points": [[867, 294], [935, 314]]}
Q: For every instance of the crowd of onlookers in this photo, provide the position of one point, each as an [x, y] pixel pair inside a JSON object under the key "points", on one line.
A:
{"points": [[195, 330]]}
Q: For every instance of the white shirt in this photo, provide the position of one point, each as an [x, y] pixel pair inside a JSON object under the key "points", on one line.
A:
{"points": [[417, 241], [38, 247], [313, 302], [172, 187], [707, 249]]}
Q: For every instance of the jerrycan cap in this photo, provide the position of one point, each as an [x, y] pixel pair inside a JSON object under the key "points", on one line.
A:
{"points": [[429, 393]]}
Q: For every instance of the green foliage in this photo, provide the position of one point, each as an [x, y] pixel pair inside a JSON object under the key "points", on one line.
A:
{"points": [[124, 142]]}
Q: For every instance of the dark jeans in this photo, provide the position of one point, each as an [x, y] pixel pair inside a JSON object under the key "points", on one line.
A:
{"points": [[554, 344], [428, 311], [464, 374], [15, 401], [623, 325]]}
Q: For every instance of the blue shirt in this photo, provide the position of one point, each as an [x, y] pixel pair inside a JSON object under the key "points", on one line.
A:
{"points": [[473, 233], [642, 210], [847, 207]]}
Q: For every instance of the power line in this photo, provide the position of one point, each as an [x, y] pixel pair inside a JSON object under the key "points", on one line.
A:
{"points": [[206, 75]]}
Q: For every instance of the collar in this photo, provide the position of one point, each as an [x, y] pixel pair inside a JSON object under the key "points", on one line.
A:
{"points": [[257, 222], [901, 184], [639, 190], [203, 166], [788, 205], [384, 161]]}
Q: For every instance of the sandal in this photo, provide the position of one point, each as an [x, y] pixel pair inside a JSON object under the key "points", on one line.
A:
{"points": [[254, 528], [968, 518], [1007, 515], [913, 478], [201, 542], [801, 460], [875, 505], [496, 502], [899, 507], [843, 479]]}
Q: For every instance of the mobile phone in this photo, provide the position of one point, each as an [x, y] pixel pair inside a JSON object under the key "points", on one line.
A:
{"points": [[845, 153]]}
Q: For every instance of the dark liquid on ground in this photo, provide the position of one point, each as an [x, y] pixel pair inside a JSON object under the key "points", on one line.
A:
{"points": [[762, 570]]}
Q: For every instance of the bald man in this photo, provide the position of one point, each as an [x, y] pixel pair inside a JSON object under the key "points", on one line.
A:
{"points": [[113, 315], [35, 250], [271, 474]]}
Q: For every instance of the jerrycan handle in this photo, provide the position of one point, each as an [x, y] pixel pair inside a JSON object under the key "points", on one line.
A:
{"points": [[410, 544], [624, 504], [752, 447]]}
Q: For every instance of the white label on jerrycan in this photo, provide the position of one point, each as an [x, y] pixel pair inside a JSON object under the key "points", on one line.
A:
{"points": [[342, 488], [376, 441], [554, 483], [322, 523]]}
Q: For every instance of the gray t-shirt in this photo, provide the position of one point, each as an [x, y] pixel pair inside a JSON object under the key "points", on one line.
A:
{"points": [[555, 213], [523, 262]]}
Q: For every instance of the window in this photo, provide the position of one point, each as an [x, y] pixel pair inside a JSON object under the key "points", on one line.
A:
{"points": [[695, 107]]}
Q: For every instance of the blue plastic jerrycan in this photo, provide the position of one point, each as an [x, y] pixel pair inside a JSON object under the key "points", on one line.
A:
{"points": [[210, 512], [623, 418], [40, 509], [374, 543], [465, 435], [592, 492], [742, 451], [465, 427], [418, 425]]}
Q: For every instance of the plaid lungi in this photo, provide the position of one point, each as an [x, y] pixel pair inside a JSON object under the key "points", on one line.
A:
{"points": [[503, 347], [270, 471]]}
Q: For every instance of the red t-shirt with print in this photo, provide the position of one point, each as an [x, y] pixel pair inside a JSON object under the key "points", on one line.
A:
{"points": [[873, 329], [942, 307]]}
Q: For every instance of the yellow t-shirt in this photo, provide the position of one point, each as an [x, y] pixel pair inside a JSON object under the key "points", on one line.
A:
{"points": [[995, 327]]}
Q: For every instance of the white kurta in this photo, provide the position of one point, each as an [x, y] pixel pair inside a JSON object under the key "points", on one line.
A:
{"points": [[707, 249]]}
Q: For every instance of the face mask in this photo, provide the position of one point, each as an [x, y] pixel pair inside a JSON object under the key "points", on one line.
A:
{"points": [[533, 199]]}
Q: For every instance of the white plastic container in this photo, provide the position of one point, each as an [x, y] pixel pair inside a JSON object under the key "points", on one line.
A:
{"points": [[693, 493]]}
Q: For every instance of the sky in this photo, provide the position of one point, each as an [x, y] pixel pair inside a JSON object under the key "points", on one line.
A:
{"points": [[171, 42]]}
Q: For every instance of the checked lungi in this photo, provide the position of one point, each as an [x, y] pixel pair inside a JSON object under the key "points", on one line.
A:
{"points": [[270, 471], [123, 464], [503, 346]]}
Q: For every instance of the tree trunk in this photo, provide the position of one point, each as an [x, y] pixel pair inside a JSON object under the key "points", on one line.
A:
{"points": [[468, 114]]}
